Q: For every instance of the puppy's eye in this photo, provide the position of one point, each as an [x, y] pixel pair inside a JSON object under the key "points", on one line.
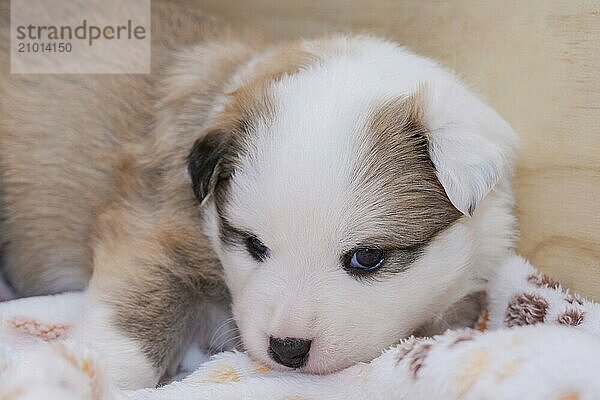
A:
{"points": [[365, 259], [256, 248]]}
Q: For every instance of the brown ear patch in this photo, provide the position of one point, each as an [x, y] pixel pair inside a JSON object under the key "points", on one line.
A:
{"points": [[402, 113], [395, 167]]}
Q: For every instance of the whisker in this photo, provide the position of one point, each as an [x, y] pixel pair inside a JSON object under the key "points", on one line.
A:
{"points": [[218, 332]]}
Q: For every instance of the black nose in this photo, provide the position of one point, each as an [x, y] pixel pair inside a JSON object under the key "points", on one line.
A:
{"points": [[291, 352]]}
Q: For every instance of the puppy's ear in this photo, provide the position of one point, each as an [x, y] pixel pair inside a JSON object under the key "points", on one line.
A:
{"points": [[471, 146], [205, 163]]}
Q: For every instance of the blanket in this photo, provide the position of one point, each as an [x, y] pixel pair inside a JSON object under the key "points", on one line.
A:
{"points": [[536, 340]]}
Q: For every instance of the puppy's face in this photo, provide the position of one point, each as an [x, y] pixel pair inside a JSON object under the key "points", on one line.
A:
{"points": [[337, 233]]}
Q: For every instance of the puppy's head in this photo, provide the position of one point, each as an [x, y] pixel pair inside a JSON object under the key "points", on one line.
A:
{"points": [[351, 193]]}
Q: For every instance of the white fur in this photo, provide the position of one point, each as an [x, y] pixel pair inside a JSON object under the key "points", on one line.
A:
{"points": [[294, 191], [122, 357]]}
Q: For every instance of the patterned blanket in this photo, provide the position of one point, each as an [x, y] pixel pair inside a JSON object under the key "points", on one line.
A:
{"points": [[535, 341]]}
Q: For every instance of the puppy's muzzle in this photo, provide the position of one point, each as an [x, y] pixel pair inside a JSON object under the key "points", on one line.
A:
{"points": [[291, 352]]}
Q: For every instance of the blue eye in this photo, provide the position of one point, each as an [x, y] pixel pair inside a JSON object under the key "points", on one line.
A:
{"points": [[256, 248], [365, 259]]}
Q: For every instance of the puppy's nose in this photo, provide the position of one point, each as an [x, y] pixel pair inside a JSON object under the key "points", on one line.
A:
{"points": [[291, 352]]}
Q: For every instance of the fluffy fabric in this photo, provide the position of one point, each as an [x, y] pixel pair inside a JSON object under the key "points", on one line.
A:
{"points": [[540, 342]]}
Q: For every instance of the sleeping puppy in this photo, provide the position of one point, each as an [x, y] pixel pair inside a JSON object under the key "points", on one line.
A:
{"points": [[340, 194]]}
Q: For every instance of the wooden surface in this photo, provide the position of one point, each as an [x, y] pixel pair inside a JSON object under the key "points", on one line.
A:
{"points": [[537, 62]]}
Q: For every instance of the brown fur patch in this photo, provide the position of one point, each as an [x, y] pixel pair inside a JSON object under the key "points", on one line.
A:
{"points": [[394, 166], [526, 309], [571, 317], [175, 270]]}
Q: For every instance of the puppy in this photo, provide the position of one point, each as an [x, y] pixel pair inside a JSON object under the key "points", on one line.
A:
{"points": [[340, 194]]}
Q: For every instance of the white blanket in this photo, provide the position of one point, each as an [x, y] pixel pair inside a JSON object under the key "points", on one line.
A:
{"points": [[540, 342]]}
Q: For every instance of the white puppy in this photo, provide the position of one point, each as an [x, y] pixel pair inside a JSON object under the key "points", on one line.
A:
{"points": [[355, 198], [347, 191]]}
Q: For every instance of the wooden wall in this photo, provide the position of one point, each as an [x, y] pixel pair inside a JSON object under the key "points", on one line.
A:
{"points": [[537, 62]]}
